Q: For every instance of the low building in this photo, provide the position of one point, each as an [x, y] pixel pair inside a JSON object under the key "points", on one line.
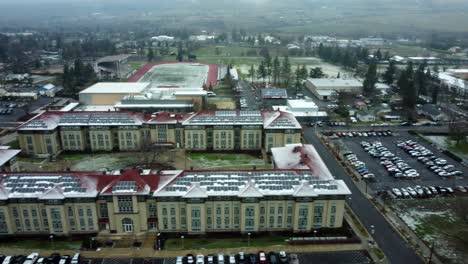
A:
{"points": [[430, 111], [194, 202], [365, 116], [426, 60], [305, 111], [8, 160], [110, 93], [274, 93], [115, 66], [52, 132], [325, 88], [48, 90], [455, 84]]}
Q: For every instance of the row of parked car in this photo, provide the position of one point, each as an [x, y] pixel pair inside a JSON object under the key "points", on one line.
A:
{"points": [[427, 191], [435, 164], [359, 166], [34, 258], [241, 258], [6, 111], [395, 166], [363, 134]]}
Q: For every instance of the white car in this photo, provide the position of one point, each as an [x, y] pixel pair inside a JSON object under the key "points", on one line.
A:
{"points": [[232, 259], [180, 260], [200, 259], [32, 258]]}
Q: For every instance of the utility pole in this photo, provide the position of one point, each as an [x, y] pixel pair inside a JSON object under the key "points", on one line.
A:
{"points": [[431, 252]]}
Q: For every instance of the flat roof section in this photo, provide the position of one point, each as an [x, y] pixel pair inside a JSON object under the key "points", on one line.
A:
{"points": [[116, 88], [326, 82]]}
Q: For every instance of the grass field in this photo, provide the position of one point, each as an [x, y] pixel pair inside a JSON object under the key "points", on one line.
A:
{"points": [[41, 244], [228, 161], [202, 243]]}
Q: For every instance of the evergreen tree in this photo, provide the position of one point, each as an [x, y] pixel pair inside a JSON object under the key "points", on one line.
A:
{"points": [[338, 75], [316, 73], [286, 71], [150, 55], [276, 70], [435, 93], [262, 71], [370, 80], [252, 73], [388, 75], [420, 78]]}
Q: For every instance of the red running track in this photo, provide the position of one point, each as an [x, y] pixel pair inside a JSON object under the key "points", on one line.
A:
{"points": [[212, 72]]}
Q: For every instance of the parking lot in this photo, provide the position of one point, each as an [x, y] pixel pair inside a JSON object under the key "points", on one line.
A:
{"points": [[424, 176], [348, 257]]}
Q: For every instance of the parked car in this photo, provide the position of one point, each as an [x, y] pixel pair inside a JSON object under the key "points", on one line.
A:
{"points": [[220, 259], [283, 257], [180, 260], [293, 259], [232, 259], [262, 258], [65, 259], [8, 259], [31, 258], [54, 258], [190, 259], [76, 259], [200, 259]]}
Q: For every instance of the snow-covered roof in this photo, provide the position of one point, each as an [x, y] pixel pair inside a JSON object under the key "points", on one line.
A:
{"points": [[7, 154], [303, 157], [325, 83], [452, 81], [202, 184], [47, 186], [116, 88]]}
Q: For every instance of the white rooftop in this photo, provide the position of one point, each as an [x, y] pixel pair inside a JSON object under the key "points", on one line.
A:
{"points": [[452, 81], [7, 154], [116, 87], [202, 184], [299, 156], [302, 104], [327, 82]]}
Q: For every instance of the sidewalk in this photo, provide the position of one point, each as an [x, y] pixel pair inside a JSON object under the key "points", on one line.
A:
{"points": [[150, 253]]}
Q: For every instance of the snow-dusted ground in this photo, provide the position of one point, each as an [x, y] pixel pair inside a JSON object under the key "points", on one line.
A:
{"points": [[417, 218]]}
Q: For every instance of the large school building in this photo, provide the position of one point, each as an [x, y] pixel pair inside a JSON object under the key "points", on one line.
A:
{"points": [[195, 202], [52, 132]]}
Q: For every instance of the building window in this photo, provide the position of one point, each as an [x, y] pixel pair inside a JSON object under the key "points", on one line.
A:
{"points": [[127, 225], [3, 223], [125, 204], [56, 220], [195, 218], [250, 218], [152, 210], [302, 218], [318, 213], [45, 220], [103, 211]]}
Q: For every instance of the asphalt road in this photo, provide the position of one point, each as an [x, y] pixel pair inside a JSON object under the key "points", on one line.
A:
{"points": [[395, 247]]}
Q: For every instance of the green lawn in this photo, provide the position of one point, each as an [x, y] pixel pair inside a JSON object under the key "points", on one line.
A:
{"points": [[207, 243], [461, 148], [226, 161], [136, 65], [41, 244]]}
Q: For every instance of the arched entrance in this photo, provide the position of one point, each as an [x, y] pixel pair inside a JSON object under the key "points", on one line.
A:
{"points": [[127, 225]]}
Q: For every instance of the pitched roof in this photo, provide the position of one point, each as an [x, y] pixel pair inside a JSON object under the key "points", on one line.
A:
{"points": [[250, 191], [54, 193], [305, 190], [195, 191]]}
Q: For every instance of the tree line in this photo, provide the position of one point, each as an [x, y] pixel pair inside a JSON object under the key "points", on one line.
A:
{"points": [[76, 77]]}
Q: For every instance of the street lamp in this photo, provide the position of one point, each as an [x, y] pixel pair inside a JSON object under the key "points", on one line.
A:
{"points": [[183, 246], [372, 229], [92, 242], [248, 240], [315, 233], [349, 201], [51, 237]]}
